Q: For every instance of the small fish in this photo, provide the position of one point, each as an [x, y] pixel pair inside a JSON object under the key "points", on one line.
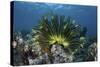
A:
{"points": [[76, 25], [14, 44], [73, 21]]}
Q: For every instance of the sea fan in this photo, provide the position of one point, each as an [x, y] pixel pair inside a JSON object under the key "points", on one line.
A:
{"points": [[57, 30]]}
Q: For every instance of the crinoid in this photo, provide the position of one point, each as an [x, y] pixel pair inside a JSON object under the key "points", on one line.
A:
{"points": [[57, 30]]}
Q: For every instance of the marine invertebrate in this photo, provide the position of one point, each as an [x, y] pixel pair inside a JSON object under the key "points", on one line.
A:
{"points": [[57, 30], [92, 52], [59, 55]]}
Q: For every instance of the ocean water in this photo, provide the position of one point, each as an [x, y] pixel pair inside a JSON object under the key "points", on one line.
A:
{"points": [[28, 14]]}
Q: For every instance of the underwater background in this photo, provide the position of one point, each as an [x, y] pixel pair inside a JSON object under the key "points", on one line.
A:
{"points": [[27, 14], [50, 33]]}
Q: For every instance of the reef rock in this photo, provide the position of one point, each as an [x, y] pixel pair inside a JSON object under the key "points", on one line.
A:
{"points": [[59, 55]]}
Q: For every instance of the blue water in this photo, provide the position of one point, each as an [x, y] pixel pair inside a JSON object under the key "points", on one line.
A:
{"points": [[28, 14]]}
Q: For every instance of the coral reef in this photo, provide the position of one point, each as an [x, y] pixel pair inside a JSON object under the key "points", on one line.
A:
{"points": [[56, 39]]}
